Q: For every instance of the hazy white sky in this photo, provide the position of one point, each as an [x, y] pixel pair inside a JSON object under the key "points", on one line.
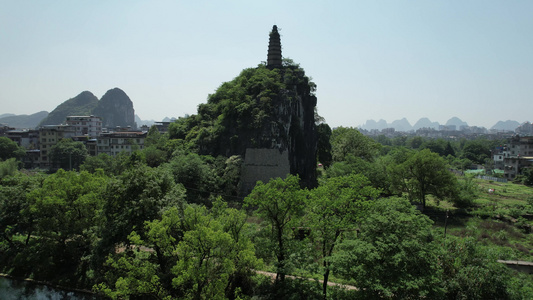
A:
{"points": [[369, 59]]}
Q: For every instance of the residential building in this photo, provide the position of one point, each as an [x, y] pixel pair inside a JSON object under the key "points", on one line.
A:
{"points": [[86, 125], [515, 156], [28, 139], [113, 143], [49, 135]]}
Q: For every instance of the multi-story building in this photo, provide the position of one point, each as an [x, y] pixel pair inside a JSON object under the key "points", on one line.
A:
{"points": [[28, 139], [113, 143], [515, 156], [49, 135], [86, 125]]}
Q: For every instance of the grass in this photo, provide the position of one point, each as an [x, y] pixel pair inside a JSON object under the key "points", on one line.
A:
{"points": [[502, 219]]}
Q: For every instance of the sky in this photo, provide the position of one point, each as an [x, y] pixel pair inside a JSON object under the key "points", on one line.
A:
{"points": [[369, 59]]}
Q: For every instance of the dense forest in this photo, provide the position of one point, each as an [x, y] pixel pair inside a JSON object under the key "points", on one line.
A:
{"points": [[387, 219]]}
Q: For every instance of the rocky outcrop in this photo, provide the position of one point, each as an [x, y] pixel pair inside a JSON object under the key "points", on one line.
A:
{"points": [[81, 105], [116, 109]]}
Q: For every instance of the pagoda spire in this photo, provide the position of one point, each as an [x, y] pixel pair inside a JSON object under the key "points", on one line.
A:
{"points": [[274, 49]]}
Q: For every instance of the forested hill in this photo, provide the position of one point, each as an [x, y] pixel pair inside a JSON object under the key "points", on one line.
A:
{"points": [[260, 108], [81, 105], [115, 108], [24, 121]]}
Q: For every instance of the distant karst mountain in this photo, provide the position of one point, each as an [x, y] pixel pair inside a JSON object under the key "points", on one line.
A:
{"points": [[425, 123], [401, 125], [116, 109], [371, 124], [404, 125], [506, 125], [81, 105], [23, 121], [455, 121]]}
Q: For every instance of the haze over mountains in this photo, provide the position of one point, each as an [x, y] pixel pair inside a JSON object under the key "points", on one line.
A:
{"points": [[116, 109], [404, 125]]}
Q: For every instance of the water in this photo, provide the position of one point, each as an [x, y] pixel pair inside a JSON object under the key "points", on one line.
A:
{"points": [[11, 289]]}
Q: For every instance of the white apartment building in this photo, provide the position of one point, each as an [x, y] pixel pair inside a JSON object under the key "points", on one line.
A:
{"points": [[86, 125], [113, 143]]}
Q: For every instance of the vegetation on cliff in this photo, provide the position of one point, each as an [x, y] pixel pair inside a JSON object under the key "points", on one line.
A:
{"points": [[81, 105]]}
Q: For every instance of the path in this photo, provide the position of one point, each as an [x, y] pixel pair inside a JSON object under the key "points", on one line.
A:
{"points": [[273, 276]]}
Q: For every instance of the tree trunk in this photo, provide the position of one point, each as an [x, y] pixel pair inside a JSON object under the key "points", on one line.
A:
{"points": [[281, 257]]}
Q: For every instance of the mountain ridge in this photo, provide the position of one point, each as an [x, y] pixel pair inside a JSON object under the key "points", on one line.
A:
{"points": [[404, 125]]}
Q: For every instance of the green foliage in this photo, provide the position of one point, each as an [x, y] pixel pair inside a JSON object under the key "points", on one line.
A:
{"points": [[472, 272], [52, 224], [349, 141], [139, 277], [376, 171], [332, 209], [189, 253], [68, 154], [196, 175], [140, 194], [103, 162], [81, 105], [477, 150], [393, 255], [10, 149], [423, 173], [324, 145], [467, 192], [528, 176], [8, 167], [279, 202]]}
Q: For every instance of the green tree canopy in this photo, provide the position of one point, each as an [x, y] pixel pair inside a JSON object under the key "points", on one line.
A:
{"points": [[333, 208], [424, 173], [393, 255], [10, 149], [349, 141], [279, 202], [68, 154]]}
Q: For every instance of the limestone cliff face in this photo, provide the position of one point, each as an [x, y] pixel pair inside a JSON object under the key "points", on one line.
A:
{"points": [[266, 112], [263, 108], [116, 109]]}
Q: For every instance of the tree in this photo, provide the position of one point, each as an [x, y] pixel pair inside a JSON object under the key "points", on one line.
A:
{"points": [[477, 151], [324, 145], [10, 149], [349, 141], [333, 209], [197, 254], [52, 223], [195, 174], [471, 271], [279, 202], [68, 154], [393, 255], [140, 194], [8, 167], [426, 173]]}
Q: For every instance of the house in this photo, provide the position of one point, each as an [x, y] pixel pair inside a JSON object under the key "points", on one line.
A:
{"points": [[113, 143], [49, 135], [86, 125], [515, 156]]}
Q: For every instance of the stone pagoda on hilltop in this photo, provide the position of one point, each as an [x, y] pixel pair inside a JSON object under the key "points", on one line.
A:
{"points": [[274, 49]]}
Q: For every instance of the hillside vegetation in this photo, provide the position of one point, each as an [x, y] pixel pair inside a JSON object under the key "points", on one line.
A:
{"points": [[386, 216]]}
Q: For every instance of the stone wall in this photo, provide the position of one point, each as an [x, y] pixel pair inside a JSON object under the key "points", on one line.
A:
{"points": [[263, 164]]}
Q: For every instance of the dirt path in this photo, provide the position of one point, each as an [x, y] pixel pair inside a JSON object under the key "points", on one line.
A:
{"points": [[273, 276]]}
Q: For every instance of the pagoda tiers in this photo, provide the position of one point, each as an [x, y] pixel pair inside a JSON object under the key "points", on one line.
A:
{"points": [[274, 49]]}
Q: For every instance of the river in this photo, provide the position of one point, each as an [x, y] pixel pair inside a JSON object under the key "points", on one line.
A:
{"points": [[12, 289]]}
